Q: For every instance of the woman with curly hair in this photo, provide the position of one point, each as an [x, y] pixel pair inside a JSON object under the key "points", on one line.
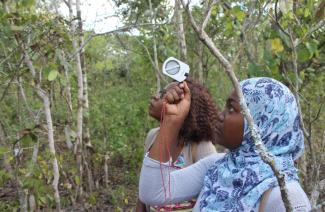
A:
{"points": [[195, 138], [238, 180]]}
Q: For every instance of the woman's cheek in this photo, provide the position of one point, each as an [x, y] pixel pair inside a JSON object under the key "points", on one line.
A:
{"points": [[233, 131]]}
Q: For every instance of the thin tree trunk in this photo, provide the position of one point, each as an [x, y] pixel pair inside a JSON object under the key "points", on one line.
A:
{"points": [[106, 169], [22, 193], [68, 99], [47, 111], [31, 199], [200, 62], [55, 183], [79, 143], [180, 31], [155, 54], [86, 131]]}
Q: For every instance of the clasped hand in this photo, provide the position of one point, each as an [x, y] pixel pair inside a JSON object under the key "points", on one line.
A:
{"points": [[178, 101]]}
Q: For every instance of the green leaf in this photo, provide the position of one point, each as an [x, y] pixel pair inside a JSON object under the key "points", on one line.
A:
{"points": [[303, 54], [28, 3], [3, 150], [52, 75], [239, 14], [307, 12], [276, 45], [312, 46], [255, 70], [77, 180], [29, 139]]}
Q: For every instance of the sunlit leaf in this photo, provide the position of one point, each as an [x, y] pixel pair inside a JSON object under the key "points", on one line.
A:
{"points": [[239, 14], [52, 75], [276, 45], [77, 179]]}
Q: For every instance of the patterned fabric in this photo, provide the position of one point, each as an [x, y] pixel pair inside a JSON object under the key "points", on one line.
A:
{"points": [[237, 182], [180, 161]]}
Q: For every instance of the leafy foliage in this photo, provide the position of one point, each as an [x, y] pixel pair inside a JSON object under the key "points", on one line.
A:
{"points": [[121, 81]]}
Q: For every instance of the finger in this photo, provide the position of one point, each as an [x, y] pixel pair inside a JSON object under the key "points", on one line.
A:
{"points": [[169, 97], [187, 92], [179, 91], [175, 95]]}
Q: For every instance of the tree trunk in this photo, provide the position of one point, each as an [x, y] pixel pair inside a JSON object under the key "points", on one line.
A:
{"points": [[47, 111], [68, 99], [79, 143], [31, 199], [180, 31], [86, 131], [200, 63], [55, 183], [155, 54]]}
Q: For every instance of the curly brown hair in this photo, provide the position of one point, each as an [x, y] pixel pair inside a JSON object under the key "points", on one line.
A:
{"points": [[200, 122]]}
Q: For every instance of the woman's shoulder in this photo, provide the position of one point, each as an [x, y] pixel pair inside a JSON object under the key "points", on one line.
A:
{"points": [[205, 145], [150, 138], [202, 149]]}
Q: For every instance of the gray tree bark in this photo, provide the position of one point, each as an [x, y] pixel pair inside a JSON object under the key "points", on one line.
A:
{"points": [[79, 142], [180, 31]]}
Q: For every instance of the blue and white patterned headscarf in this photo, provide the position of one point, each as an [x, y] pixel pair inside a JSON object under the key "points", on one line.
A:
{"points": [[237, 182]]}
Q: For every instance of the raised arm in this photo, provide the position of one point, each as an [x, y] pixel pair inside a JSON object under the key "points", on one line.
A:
{"points": [[177, 102], [184, 184]]}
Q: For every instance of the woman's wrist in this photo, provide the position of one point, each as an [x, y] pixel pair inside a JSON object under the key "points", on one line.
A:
{"points": [[173, 122]]}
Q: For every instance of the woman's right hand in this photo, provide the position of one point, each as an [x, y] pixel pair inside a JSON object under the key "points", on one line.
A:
{"points": [[178, 101]]}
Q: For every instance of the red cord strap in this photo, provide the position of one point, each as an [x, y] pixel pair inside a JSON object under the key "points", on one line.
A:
{"points": [[161, 143]]}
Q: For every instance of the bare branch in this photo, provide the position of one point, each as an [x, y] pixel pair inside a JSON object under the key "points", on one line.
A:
{"points": [[318, 112], [66, 3], [207, 14], [295, 69], [151, 60], [121, 29], [320, 25], [180, 30], [8, 56]]}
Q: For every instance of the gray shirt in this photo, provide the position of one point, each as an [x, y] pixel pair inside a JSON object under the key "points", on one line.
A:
{"points": [[202, 149], [185, 184]]}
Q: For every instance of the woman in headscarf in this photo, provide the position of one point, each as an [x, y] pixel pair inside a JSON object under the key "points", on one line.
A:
{"points": [[238, 180]]}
